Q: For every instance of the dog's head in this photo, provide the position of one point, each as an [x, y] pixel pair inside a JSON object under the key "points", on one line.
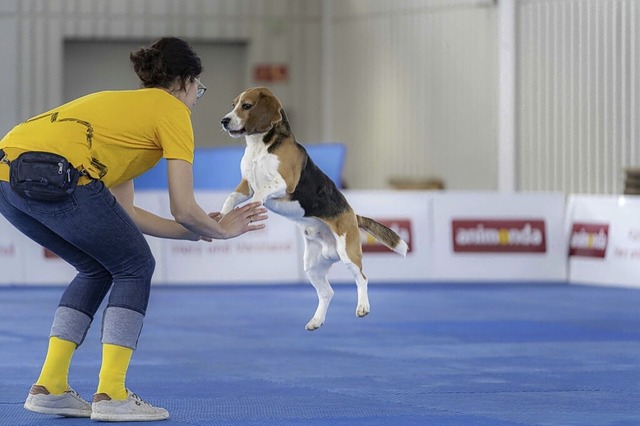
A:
{"points": [[254, 111]]}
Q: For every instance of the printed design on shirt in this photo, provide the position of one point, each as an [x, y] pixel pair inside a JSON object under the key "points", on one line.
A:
{"points": [[54, 119], [102, 168]]}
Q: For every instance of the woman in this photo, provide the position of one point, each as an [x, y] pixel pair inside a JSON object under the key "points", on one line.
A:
{"points": [[109, 138]]}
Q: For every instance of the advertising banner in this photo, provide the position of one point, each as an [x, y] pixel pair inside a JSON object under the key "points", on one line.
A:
{"points": [[604, 239], [497, 236]]}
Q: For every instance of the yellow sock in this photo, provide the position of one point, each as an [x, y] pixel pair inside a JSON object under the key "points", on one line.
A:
{"points": [[55, 370], [115, 363]]}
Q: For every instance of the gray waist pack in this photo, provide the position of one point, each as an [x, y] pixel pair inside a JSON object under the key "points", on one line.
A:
{"points": [[42, 176]]}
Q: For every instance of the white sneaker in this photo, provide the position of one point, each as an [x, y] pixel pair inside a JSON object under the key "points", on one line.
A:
{"points": [[67, 404], [132, 409]]}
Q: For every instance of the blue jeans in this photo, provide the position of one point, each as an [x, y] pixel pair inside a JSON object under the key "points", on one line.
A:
{"points": [[94, 234]]}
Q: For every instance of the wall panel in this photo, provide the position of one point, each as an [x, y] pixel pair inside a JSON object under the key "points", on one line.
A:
{"points": [[578, 73], [414, 91]]}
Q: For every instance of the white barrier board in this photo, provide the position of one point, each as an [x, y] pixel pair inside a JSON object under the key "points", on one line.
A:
{"points": [[270, 255], [453, 236], [25, 262], [22, 261], [155, 202], [499, 236], [12, 258], [44, 267], [604, 240]]}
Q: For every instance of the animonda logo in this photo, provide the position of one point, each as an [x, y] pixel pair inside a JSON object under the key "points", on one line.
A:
{"points": [[499, 236], [589, 240]]}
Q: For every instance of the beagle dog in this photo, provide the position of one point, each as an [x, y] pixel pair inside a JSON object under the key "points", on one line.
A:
{"points": [[277, 171]]}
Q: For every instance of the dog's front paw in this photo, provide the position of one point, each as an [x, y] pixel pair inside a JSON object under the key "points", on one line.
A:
{"points": [[362, 310], [226, 208], [314, 324]]}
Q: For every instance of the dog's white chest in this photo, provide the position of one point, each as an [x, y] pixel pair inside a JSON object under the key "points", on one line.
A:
{"points": [[260, 169], [258, 166]]}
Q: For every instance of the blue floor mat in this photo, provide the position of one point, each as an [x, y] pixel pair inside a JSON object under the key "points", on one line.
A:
{"points": [[434, 354]]}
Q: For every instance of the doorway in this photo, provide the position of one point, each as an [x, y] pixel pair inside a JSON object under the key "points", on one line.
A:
{"points": [[94, 65]]}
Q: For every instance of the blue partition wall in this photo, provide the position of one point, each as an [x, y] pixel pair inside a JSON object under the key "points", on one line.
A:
{"points": [[218, 168], [330, 158]]}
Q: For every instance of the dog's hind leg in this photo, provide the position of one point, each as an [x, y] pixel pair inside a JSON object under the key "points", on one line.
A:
{"points": [[317, 267], [349, 248]]}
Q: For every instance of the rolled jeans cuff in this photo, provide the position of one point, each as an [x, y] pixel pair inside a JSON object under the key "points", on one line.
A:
{"points": [[121, 326], [70, 324]]}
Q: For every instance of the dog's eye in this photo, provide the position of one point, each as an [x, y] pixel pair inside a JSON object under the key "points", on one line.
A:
{"points": [[246, 106]]}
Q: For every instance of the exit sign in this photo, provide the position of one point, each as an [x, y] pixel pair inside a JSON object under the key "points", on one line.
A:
{"points": [[270, 73]]}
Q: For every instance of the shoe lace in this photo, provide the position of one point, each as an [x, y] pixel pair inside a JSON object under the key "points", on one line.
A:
{"points": [[75, 394], [72, 392], [140, 400]]}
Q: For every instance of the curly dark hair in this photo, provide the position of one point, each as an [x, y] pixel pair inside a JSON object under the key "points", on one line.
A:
{"points": [[164, 61]]}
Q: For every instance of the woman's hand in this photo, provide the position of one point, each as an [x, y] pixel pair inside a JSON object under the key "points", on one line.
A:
{"points": [[192, 217], [215, 216], [242, 219]]}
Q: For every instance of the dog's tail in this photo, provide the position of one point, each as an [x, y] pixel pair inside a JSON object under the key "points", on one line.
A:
{"points": [[383, 234]]}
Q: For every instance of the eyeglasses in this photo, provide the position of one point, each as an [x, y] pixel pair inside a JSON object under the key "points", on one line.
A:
{"points": [[201, 88]]}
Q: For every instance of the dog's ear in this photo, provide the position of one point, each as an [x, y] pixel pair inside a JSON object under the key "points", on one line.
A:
{"points": [[265, 113]]}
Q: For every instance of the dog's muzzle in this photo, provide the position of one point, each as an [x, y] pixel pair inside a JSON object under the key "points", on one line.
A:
{"points": [[234, 133]]}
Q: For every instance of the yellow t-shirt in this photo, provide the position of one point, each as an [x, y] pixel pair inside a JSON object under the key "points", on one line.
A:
{"points": [[115, 135]]}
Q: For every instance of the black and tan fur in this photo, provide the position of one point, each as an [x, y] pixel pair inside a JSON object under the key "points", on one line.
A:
{"points": [[277, 171]]}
